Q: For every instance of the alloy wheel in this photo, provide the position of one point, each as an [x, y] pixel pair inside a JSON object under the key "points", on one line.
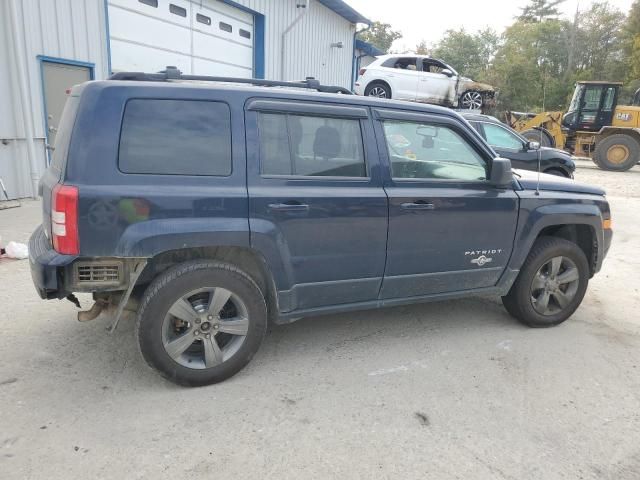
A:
{"points": [[472, 100], [554, 285], [205, 327], [379, 92]]}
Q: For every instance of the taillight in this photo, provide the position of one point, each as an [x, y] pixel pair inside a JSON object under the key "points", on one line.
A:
{"points": [[361, 71], [64, 219]]}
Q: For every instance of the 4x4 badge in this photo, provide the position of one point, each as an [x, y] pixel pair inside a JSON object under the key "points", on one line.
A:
{"points": [[481, 260]]}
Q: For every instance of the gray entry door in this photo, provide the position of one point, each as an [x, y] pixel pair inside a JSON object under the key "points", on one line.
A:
{"points": [[57, 79]]}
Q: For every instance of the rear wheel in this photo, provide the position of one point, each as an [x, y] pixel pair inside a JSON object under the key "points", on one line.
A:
{"points": [[618, 152], [551, 283], [201, 322], [378, 89], [541, 135]]}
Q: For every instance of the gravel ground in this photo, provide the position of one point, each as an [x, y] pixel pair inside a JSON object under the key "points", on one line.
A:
{"points": [[449, 390], [618, 184]]}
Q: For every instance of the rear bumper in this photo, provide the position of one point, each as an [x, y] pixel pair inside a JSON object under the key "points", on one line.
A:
{"points": [[47, 266]]}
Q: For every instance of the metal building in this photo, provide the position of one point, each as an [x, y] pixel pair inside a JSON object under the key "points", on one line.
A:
{"points": [[46, 46]]}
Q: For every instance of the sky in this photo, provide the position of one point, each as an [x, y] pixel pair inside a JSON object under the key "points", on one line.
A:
{"points": [[428, 19]]}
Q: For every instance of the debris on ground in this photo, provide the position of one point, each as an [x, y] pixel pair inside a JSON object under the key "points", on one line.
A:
{"points": [[16, 250]]}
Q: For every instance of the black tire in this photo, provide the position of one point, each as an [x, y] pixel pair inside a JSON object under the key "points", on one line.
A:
{"points": [[540, 135], [179, 281], [519, 301], [618, 152], [373, 87], [558, 172]]}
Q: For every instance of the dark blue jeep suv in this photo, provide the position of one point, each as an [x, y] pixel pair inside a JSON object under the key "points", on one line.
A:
{"points": [[214, 208]]}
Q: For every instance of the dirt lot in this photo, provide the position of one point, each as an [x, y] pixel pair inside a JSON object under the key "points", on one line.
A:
{"points": [[445, 390]]}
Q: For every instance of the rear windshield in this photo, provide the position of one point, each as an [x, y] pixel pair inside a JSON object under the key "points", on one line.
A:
{"points": [[63, 135], [175, 137]]}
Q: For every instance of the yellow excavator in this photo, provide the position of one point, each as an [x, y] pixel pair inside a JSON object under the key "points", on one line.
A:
{"points": [[594, 126]]}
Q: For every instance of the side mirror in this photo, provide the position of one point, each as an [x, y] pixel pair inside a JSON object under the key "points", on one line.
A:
{"points": [[501, 175], [447, 72], [533, 145]]}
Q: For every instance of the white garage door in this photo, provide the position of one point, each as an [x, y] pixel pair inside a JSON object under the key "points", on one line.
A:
{"points": [[201, 37]]}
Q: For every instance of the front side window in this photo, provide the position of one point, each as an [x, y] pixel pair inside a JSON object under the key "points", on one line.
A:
{"points": [[175, 137], [432, 66], [305, 145], [592, 98], [498, 136], [590, 105], [429, 151]]}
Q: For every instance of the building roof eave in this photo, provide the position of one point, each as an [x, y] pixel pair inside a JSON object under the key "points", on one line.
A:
{"points": [[368, 48], [345, 11]]}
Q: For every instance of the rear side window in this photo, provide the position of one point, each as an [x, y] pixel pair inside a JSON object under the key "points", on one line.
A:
{"points": [[175, 137], [310, 146], [63, 135]]}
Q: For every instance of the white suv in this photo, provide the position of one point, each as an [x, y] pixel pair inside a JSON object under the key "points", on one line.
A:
{"points": [[422, 79]]}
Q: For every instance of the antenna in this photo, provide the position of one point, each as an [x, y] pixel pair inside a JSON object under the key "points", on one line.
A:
{"points": [[539, 161]]}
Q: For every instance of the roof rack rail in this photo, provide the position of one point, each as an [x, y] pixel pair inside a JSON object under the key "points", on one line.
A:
{"points": [[172, 73]]}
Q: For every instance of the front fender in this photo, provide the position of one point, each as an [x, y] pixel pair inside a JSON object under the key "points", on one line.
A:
{"points": [[554, 209], [149, 238]]}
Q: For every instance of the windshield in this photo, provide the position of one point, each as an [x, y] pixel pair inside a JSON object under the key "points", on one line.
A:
{"points": [[575, 101]]}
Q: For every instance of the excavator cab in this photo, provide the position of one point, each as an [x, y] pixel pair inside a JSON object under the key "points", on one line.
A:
{"points": [[592, 106]]}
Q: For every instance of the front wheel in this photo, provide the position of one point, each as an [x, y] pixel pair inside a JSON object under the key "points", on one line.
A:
{"points": [[618, 152], [201, 322], [551, 283], [471, 100]]}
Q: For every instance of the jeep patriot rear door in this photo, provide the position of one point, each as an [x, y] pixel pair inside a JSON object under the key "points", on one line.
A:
{"points": [[317, 209], [449, 229]]}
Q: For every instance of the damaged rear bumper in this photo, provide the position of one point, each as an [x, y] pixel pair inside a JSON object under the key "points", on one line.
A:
{"points": [[48, 267]]}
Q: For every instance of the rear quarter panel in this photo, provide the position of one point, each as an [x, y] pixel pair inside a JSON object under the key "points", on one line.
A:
{"points": [[142, 215]]}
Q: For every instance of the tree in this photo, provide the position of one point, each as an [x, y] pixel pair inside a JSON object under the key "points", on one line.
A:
{"points": [[600, 55], [631, 40], [422, 48], [535, 62], [540, 10], [470, 53], [381, 35], [529, 66]]}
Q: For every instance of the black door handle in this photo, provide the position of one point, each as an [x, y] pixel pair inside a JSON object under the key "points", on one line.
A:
{"points": [[418, 205], [289, 207]]}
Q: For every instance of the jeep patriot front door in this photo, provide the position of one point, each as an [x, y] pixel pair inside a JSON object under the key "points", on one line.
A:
{"points": [[449, 229], [317, 209]]}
